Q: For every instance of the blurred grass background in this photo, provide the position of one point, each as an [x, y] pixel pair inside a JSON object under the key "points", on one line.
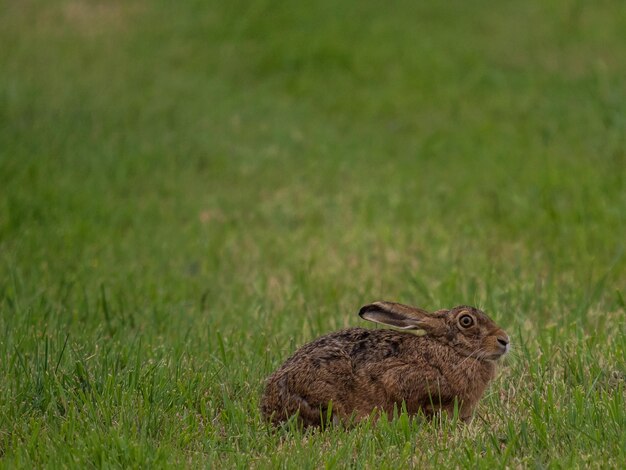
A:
{"points": [[190, 190]]}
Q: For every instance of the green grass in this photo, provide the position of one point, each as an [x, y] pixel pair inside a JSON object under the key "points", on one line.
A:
{"points": [[191, 190]]}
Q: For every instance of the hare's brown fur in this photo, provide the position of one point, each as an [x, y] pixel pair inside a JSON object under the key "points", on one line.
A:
{"points": [[361, 370]]}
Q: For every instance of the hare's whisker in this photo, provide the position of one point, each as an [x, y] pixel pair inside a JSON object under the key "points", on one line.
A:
{"points": [[471, 354]]}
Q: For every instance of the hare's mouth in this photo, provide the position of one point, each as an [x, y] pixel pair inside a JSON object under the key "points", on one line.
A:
{"points": [[502, 348], [494, 356]]}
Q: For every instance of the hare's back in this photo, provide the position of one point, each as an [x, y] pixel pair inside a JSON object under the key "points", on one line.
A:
{"points": [[356, 345]]}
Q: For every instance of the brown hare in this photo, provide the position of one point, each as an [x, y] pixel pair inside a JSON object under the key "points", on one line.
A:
{"points": [[448, 357]]}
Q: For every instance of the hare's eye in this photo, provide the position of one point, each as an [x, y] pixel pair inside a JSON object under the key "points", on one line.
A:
{"points": [[466, 321]]}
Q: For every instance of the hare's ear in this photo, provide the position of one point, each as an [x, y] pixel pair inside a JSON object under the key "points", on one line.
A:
{"points": [[397, 315]]}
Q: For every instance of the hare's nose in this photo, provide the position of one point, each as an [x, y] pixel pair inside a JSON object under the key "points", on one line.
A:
{"points": [[504, 341]]}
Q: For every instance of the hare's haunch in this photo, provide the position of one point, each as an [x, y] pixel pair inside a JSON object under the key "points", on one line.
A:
{"points": [[448, 357]]}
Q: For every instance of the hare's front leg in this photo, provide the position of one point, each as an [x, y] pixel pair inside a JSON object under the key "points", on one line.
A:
{"points": [[423, 389]]}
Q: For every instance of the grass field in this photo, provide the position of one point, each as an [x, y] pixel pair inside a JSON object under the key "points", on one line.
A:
{"points": [[191, 190]]}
